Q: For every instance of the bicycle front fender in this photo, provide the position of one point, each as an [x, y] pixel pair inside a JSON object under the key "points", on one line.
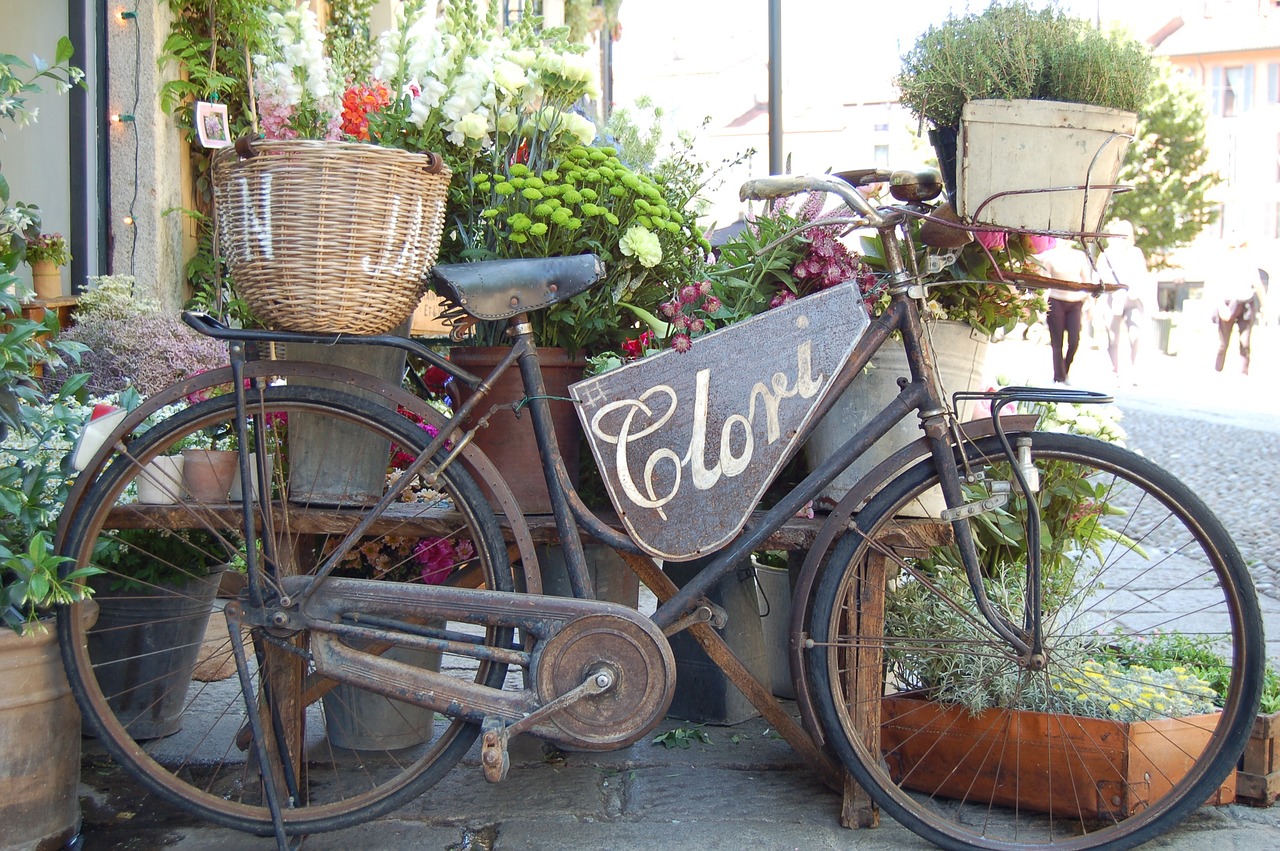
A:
{"points": [[836, 524]]}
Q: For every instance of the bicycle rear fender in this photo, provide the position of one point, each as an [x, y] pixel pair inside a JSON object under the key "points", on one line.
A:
{"points": [[688, 442]]}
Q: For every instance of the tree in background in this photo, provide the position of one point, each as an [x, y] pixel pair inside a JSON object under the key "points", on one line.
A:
{"points": [[1167, 165]]}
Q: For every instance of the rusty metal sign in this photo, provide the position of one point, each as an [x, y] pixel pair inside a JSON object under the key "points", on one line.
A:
{"points": [[687, 442]]}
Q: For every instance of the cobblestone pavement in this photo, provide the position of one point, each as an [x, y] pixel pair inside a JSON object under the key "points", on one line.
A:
{"points": [[1217, 432]]}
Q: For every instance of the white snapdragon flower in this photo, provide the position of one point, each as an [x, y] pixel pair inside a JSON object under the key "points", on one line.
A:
{"points": [[507, 121], [509, 77], [524, 58], [473, 126], [579, 127]]}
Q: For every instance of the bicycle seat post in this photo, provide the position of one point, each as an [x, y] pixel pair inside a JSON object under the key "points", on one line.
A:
{"points": [[553, 470]]}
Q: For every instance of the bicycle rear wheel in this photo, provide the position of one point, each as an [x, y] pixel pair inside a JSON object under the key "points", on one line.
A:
{"points": [[1150, 621], [156, 677]]}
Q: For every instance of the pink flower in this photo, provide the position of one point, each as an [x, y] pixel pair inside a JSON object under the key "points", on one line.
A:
{"points": [[697, 326], [689, 294], [990, 238], [704, 287], [669, 308], [439, 557], [681, 342], [1037, 243], [710, 304]]}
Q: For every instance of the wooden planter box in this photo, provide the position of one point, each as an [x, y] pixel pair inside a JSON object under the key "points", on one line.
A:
{"points": [[935, 749], [1258, 780]]}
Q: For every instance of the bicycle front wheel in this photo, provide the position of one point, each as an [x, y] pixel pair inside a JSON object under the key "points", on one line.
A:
{"points": [[156, 676], [1135, 709]]}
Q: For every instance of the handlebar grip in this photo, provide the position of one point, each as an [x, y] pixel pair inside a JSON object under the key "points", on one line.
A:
{"points": [[777, 186]]}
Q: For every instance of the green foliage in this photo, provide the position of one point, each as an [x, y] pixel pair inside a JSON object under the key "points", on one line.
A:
{"points": [[348, 39], [636, 143], [139, 559], [207, 48], [1168, 167], [681, 737], [965, 289], [589, 203], [1015, 51], [32, 429]]}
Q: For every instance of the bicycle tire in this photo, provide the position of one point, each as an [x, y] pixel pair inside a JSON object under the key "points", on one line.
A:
{"points": [[1150, 567], [206, 767]]}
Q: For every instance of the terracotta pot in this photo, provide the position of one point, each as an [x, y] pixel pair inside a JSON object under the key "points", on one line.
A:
{"points": [[208, 473], [39, 744], [509, 442], [46, 279]]}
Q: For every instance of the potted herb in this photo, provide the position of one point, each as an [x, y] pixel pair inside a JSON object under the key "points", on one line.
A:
{"points": [[1014, 65], [1113, 710], [46, 254]]}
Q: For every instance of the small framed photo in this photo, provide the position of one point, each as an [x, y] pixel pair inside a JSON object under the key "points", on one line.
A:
{"points": [[211, 124]]}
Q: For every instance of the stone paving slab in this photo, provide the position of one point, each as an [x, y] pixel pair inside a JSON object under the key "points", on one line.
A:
{"points": [[752, 793]]}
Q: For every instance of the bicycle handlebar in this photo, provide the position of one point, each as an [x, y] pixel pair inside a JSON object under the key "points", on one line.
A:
{"points": [[781, 186]]}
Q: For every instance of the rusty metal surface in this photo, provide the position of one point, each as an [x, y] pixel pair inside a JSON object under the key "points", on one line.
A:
{"points": [[642, 668], [597, 636], [687, 442]]}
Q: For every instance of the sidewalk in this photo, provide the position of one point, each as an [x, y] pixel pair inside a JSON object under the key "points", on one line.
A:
{"points": [[745, 789]]}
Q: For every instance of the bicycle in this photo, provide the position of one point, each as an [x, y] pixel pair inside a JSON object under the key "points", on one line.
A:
{"points": [[1102, 549]]}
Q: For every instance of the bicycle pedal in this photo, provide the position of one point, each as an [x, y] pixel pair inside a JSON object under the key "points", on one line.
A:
{"points": [[494, 756], [973, 509]]}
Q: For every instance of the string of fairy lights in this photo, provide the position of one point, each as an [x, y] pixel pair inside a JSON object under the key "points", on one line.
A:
{"points": [[128, 117]]}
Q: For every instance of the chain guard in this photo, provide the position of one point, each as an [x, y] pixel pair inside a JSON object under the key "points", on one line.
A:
{"points": [[644, 670]]}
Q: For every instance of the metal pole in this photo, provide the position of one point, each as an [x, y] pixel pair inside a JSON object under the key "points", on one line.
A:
{"points": [[776, 158]]}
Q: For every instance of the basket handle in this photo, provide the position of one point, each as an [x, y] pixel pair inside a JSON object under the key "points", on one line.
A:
{"points": [[244, 147], [435, 162]]}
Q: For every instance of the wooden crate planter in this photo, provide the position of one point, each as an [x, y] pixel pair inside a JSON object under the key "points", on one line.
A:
{"points": [[1258, 780], [935, 749]]}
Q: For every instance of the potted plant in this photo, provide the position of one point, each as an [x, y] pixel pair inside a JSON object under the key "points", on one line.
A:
{"points": [[46, 253], [156, 591], [40, 725], [133, 341], [528, 182], [1015, 65], [1114, 703]]}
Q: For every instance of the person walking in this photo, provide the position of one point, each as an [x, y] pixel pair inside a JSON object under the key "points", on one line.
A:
{"points": [[1238, 289], [1065, 262], [1123, 263]]}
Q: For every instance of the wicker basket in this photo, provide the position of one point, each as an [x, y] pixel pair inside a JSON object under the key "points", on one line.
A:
{"points": [[331, 237]]}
